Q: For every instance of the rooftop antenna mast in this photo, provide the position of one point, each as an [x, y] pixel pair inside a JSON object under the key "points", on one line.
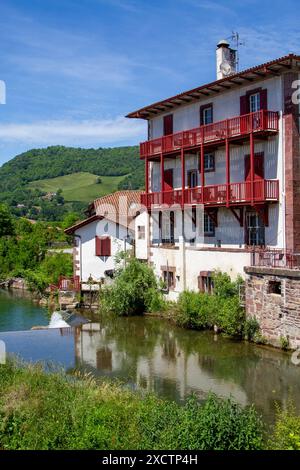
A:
{"points": [[236, 41]]}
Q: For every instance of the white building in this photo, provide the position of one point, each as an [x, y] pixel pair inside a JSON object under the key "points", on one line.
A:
{"points": [[222, 174], [108, 230]]}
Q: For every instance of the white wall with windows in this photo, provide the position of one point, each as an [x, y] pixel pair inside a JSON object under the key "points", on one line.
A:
{"points": [[225, 105], [94, 266]]}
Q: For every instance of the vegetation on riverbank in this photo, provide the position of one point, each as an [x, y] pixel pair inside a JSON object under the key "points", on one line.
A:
{"points": [[24, 251], [54, 411], [136, 291]]}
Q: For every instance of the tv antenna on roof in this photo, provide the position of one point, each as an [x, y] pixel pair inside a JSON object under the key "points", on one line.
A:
{"points": [[236, 41]]}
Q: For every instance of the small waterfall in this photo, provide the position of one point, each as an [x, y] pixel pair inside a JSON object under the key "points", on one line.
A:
{"points": [[57, 321]]}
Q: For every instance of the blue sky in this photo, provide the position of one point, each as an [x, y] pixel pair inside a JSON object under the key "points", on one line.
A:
{"points": [[74, 68]]}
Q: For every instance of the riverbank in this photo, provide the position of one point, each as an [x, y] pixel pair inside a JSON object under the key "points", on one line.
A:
{"points": [[105, 415]]}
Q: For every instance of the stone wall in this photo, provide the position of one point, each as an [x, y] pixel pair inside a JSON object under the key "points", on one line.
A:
{"points": [[277, 313]]}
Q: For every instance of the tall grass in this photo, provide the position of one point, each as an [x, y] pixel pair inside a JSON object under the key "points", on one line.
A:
{"points": [[55, 411]]}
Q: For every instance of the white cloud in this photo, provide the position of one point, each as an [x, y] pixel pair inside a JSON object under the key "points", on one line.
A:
{"points": [[63, 132]]}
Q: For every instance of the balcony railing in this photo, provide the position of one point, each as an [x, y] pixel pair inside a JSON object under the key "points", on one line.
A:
{"points": [[219, 194], [259, 121], [275, 258], [69, 283]]}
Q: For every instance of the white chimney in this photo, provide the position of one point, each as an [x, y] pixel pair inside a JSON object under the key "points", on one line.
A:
{"points": [[226, 59]]}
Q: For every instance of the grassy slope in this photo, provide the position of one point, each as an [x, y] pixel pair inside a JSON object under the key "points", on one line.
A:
{"points": [[80, 186]]}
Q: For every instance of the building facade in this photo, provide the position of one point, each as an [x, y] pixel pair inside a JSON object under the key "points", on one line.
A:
{"points": [[222, 166], [107, 231]]}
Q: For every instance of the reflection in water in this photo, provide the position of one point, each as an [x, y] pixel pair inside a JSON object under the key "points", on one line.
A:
{"points": [[154, 355]]}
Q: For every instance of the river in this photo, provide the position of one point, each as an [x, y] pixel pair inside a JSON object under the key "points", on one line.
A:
{"points": [[152, 354]]}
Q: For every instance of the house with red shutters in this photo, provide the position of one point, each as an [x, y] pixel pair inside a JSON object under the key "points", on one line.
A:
{"points": [[222, 187], [108, 230]]}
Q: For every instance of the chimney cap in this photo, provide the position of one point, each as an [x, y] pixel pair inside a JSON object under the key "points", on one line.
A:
{"points": [[223, 43]]}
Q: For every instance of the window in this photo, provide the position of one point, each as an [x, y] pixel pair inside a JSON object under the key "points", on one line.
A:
{"points": [[168, 124], [209, 162], [169, 279], [254, 102], [166, 227], [205, 282], [141, 232], [209, 226], [255, 230], [192, 179], [102, 246], [274, 287], [206, 114]]}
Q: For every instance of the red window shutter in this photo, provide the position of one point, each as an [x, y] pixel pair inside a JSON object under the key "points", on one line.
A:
{"points": [[168, 124], [106, 246], [244, 105], [264, 99], [98, 246]]}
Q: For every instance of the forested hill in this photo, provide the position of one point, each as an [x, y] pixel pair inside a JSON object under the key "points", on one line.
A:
{"points": [[120, 168], [56, 161]]}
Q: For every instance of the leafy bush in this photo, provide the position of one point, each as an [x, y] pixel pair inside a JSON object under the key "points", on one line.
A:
{"points": [[222, 308], [134, 292], [106, 416], [251, 329], [229, 316], [223, 285], [286, 434], [195, 310], [284, 343]]}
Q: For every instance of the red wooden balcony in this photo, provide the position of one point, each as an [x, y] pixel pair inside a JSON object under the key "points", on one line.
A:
{"points": [[259, 122], [69, 283], [217, 195]]}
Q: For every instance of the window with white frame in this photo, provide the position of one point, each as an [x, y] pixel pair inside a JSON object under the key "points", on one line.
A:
{"points": [[209, 162], [254, 102], [207, 115], [209, 226]]}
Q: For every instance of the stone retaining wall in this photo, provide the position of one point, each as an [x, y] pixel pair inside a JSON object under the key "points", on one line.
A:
{"points": [[277, 313]]}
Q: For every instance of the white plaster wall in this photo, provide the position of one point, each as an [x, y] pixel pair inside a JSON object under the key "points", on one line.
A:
{"points": [[225, 105], [141, 246], [197, 260], [93, 265]]}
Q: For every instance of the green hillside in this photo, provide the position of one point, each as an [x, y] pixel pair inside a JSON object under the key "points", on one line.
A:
{"points": [[80, 186], [27, 178]]}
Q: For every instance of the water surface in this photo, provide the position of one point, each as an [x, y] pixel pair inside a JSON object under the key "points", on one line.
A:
{"points": [[18, 312], [151, 354]]}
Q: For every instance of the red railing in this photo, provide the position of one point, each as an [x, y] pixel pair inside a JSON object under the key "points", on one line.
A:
{"points": [[69, 284], [229, 128], [219, 194], [275, 258]]}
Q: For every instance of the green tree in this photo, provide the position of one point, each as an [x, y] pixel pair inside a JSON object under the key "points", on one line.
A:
{"points": [[6, 222]]}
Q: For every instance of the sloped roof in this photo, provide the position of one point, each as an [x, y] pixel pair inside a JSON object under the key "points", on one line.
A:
{"points": [[259, 72], [82, 223], [120, 207]]}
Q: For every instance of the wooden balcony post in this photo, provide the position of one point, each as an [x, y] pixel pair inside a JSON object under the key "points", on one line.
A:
{"points": [[162, 176], [252, 164], [202, 170], [227, 151], [182, 156], [146, 179]]}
